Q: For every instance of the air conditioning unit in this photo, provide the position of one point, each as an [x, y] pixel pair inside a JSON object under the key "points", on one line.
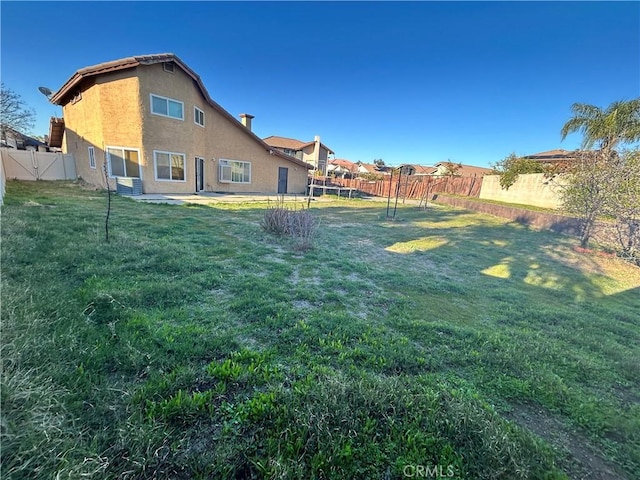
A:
{"points": [[128, 186]]}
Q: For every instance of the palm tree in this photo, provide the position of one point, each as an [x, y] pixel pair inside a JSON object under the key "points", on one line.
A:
{"points": [[618, 123], [590, 188]]}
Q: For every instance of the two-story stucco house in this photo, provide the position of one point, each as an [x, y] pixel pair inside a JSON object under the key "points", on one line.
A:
{"points": [[151, 118], [314, 153]]}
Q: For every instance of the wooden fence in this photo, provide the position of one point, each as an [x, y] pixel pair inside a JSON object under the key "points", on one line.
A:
{"points": [[415, 187]]}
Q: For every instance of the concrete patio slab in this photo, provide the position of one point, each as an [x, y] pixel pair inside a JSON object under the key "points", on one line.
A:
{"points": [[207, 198]]}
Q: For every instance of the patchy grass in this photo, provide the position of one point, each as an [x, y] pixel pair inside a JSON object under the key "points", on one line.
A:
{"points": [[197, 345]]}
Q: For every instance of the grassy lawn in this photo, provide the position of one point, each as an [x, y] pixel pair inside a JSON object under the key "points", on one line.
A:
{"points": [[195, 345]]}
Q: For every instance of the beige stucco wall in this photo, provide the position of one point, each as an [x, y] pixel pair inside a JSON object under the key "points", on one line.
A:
{"points": [[107, 115], [309, 156], [221, 138], [531, 189], [116, 112]]}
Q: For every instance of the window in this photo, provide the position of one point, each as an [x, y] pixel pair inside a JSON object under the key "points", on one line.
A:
{"points": [[294, 153], [198, 116], [123, 162], [232, 171], [92, 157], [169, 67], [167, 107], [169, 166]]}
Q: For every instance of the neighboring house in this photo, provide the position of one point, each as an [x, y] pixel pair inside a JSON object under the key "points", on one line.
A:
{"points": [[314, 153], [372, 169], [151, 118], [557, 159], [552, 155], [459, 170], [11, 138], [346, 168], [342, 168]]}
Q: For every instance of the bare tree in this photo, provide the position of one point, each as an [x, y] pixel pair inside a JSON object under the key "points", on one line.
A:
{"points": [[604, 182], [624, 203], [451, 169], [586, 192], [106, 220], [15, 116]]}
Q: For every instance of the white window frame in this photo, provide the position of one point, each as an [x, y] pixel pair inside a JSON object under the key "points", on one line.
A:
{"points": [[197, 111], [225, 165], [108, 158], [167, 99], [155, 166], [92, 157], [169, 67]]}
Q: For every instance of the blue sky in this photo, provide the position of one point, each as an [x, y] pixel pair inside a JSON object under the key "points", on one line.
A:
{"points": [[415, 82]]}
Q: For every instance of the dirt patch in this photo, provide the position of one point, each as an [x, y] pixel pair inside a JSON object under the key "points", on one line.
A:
{"points": [[301, 304], [597, 253], [295, 276], [84, 185], [584, 462], [336, 222], [36, 204], [274, 259]]}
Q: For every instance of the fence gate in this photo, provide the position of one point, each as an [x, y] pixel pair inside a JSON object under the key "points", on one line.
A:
{"points": [[32, 165]]}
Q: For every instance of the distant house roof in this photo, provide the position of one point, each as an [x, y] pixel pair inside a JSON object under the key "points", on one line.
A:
{"points": [[345, 164], [423, 169], [465, 170], [369, 167], [291, 143], [66, 92], [21, 140], [557, 154]]}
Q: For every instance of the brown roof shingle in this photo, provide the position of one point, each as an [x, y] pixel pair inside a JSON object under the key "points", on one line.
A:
{"points": [[423, 169], [551, 154], [291, 143], [346, 164], [284, 142]]}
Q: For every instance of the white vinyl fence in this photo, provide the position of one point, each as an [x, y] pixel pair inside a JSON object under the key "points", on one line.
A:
{"points": [[2, 184], [32, 165]]}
